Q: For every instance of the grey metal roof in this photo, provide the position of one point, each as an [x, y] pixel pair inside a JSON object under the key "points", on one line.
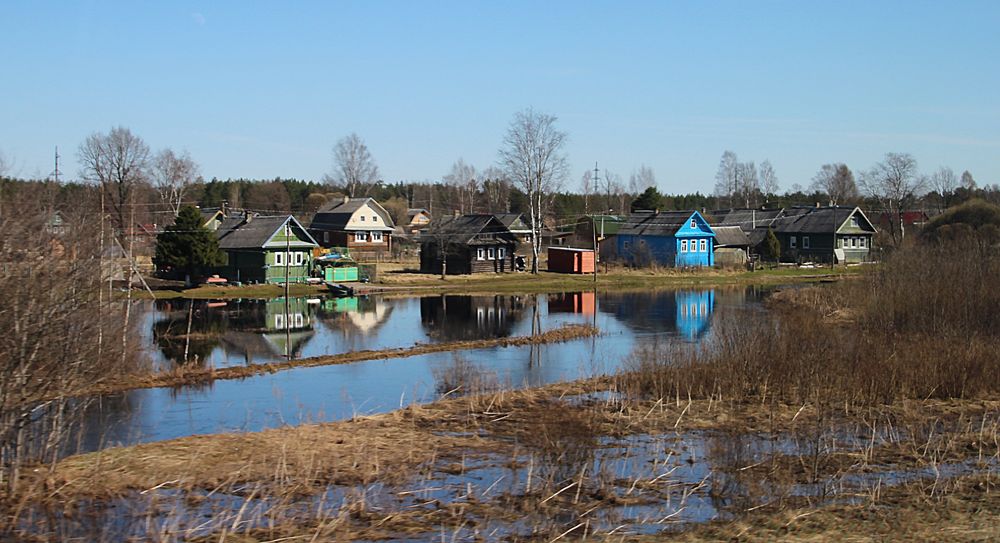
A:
{"points": [[747, 219], [813, 220], [649, 223], [470, 230], [236, 233], [730, 236], [515, 222], [336, 214]]}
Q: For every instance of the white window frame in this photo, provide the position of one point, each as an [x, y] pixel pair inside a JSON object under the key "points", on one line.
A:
{"points": [[792, 242], [376, 237], [694, 223], [480, 253], [279, 321], [703, 245], [361, 237], [684, 245], [279, 259], [854, 242], [501, 253], [854, 221], [805, 242], [491, 254], [862, 242], [298, 320]]}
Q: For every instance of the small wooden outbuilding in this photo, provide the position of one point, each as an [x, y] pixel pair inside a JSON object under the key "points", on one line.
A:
{"points": [[570, 260]]}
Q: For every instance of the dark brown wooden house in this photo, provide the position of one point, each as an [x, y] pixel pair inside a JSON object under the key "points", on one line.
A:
{"points": [[468, 244]]}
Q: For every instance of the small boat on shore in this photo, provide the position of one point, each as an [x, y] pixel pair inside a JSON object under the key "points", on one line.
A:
{"points": [[338, 290]]}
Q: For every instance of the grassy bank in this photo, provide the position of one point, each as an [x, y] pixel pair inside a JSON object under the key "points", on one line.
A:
{"points": [[397, 279]]}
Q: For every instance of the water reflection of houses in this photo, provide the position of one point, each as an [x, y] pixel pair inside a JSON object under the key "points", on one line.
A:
{"points": [[687, 312], [583, 303], [355, 316], [456, 318], [256, 330]]}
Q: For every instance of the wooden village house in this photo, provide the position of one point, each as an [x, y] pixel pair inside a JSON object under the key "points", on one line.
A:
{"points": [[838, 234], [361, 225], [265, 249], [679, 239], [468, 244]]}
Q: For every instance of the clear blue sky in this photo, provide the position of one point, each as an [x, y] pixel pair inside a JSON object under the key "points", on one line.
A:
{"points": [[264, 89]]}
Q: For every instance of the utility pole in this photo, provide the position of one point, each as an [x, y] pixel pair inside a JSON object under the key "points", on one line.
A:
{"points": [[288, 334]]}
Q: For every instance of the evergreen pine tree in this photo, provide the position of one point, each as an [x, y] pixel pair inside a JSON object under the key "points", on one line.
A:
{"points": [[648, 200], [186, 246], [771, 249]]}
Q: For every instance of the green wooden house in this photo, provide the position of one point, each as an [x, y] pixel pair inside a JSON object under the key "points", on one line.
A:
{"points": [[839, 234], [265, 249]]}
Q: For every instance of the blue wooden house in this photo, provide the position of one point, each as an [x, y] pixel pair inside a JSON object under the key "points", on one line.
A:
{"points": [[679, 239]]}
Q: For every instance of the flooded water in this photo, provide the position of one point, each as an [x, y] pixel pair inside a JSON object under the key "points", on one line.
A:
{"points": [[237, 332]]}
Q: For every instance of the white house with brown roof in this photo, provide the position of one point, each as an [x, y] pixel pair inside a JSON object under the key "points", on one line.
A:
{"points": [[360, 224]]}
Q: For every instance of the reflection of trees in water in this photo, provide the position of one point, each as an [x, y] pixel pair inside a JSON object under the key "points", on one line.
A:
{"points": [[457, 318]]}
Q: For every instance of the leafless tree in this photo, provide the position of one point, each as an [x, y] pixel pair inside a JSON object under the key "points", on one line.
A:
{"points": [[727, 177], [768, 179], [119, 161], [532, 155], [463, 184], [354, 169], [944, 182], [496, 188], [894, 183], [588, 189], [172, 175], [837, 182], [748, 183], [641, 179], [968, 182]]}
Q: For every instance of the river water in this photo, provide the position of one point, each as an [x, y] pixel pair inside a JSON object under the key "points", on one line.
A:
{"points": [[238, 332]]}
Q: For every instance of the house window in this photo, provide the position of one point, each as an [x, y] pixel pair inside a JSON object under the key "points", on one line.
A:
{"points": [[854, 243], [300, 258], [362, 218], [279, 259], [792, 242], [480, 254], [490, 254], [361, 237], [326, 237], [694, 223], [626, 245], [861, 242], [300, 321], [502, 253], [805, 242], [854, 221], [376, 237], [374, 218], [684, 245], [279, 321], [703, 246]]}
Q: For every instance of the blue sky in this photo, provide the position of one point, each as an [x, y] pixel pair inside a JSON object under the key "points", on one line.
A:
{"points": [[264, 89]]}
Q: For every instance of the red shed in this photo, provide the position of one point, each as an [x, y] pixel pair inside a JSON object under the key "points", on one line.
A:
{"points": [[569, 260]]}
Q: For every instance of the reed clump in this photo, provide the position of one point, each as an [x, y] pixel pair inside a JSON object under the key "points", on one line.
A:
{"points": [[923, 325]]}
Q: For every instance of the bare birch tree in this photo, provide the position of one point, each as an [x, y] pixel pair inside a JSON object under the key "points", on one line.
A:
{"points": [[837, 182], [172, 175], [463, 184], [748, 184], [968, 182], [944, 182], [118, 161], [532, 155], [354, 169], [894, 183], [768, 179], [641, 179], [587, 187], [727, 177]]}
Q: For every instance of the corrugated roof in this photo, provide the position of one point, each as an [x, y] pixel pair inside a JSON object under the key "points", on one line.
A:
{"points": [[466, 228], [336, 214], [747, 219], [649, 223], [234, 233], [730, 236], [812, 220]]}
